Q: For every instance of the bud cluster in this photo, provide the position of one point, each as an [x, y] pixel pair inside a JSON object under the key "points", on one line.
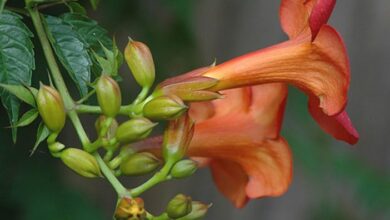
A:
{"points": [[165, 103]]}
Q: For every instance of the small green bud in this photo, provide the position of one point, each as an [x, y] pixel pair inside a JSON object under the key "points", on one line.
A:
{"points": [[164, 108], [56, 147], [108, 95], [133, 130], [199, 211], [51, 108], [139, 164], [111, 130], [81, 162], [179, 206], [183, 169], [140, 61]]}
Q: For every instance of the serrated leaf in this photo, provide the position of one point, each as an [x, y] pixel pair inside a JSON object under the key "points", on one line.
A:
{"points": [[42, 133], [111, 62], [21, 92], [76, 8], [16, 61], [94, 3], [71, 51], [2, 4], [27, 118], [92, 34]]}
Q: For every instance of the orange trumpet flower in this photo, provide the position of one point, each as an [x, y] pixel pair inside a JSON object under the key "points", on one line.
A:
{"points": [[239, 134], [314, 60]]}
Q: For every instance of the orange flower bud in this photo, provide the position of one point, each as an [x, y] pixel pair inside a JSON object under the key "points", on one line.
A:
{"points": [[177, 138], [140, 61], [51, 108], [164, 108], [133, 130], [191, 88], [108, 95]]}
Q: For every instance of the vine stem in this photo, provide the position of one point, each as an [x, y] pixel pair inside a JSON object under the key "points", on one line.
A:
{"points": [[56, 74], [119, 188], [159, 177], [68, 101]]}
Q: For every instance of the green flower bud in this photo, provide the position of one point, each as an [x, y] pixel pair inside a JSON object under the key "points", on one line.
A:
{"points": [[56, 147], [183, 169], [140, 61], [199, 211], [81, 162], [99, 124], [51, 108], [179, 206], [164, 108], [133, 130], [108, 95], [139, 164]]}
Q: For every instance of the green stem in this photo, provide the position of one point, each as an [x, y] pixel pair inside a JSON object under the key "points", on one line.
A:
{"points": [[159, 177], [163, 216], [119, 188], [56, 74], [68, 101], [17, 10], [142, 95]]}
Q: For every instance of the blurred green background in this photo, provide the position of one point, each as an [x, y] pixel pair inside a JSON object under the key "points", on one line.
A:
{"points": [[331, 179]]}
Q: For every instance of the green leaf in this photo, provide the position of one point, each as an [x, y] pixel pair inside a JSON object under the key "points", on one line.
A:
{"points": [[111, 62], [16, 61], [2, 4], [94, 3], [27, 118], [21, 92], [93, 35], [76, 8], [71, 51], [42, 133]]}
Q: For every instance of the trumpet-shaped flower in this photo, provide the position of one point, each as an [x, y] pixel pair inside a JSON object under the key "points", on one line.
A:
{"points": [[314, 60], [239, 134]]}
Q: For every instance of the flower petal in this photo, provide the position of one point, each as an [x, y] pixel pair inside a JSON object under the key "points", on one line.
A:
{"points": [[305, 17], [231, 181], [320, 15], [268, 165], [320, 68], [339, 126]]}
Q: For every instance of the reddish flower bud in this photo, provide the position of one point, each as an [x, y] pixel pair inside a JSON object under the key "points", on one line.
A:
{"points": [[191, 88], [140, 61], [177, 138], [51, 108], [139, 164], [81, 162], [133, 130], [108, 95], [164, 108]]}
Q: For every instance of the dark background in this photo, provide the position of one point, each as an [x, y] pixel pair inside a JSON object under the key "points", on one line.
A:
{"points": [[332, 180]]}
